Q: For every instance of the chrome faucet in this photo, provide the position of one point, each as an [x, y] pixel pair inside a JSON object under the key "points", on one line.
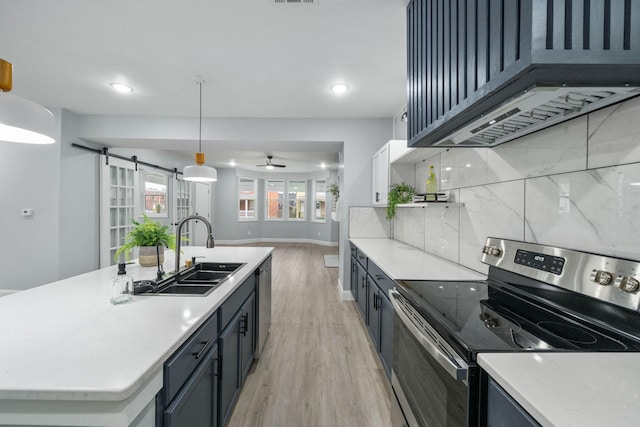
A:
{"points": [[210, 242]]}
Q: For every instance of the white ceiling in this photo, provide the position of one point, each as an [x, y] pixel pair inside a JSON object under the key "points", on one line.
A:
{"points": [[260, 59]]}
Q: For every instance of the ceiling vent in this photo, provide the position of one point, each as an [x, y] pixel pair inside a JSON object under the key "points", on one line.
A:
{"points": [[295, 1]]}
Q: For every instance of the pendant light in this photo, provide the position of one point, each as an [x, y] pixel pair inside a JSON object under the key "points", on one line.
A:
{"points": [[199, 172], [22, 120]]}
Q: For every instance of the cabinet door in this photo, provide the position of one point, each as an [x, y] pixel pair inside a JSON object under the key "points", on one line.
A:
{"points": [[503, 411], [386, 332], [354, 278], [195, 404], [380, 168], [362, 292], [374, 313], [247, 335], [229, 377]]}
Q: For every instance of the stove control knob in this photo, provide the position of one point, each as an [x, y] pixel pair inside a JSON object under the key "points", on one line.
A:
{"points": [[627, 284], [601, 277], [492, 250]]}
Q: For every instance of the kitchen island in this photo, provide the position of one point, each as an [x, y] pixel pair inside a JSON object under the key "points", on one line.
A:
{"points": [[69, 357]]}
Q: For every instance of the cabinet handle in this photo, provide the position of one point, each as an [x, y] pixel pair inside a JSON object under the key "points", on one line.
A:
{"points": [[375, 302], [216, 371], [377, 196], [245, 325], [220, 365], [364, 282], [379, 277], [206, 345]]}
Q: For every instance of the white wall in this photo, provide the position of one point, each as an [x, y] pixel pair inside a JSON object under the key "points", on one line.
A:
{"points": [[29, 254], [575, 185]]}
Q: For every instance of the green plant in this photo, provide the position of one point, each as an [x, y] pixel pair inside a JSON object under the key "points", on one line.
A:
{"points": [[399, 193], [146, 233], [334, 190]]}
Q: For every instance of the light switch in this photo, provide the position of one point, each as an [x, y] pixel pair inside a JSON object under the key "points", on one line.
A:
{"points": [[26, 212]]}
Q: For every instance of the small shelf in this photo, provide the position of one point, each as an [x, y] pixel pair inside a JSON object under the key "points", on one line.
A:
{"points": [[430, 205]]}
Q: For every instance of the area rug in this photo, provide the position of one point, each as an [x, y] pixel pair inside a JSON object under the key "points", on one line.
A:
{"points": [[331, 261]]}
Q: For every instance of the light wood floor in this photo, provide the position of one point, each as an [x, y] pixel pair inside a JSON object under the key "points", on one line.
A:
{"points": [[318, 368]]}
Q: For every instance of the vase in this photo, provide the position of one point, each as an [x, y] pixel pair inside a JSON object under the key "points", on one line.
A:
{"points": [[148, 257]]}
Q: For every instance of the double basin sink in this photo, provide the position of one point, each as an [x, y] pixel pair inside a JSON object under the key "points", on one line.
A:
{"points": [[200, 279]]}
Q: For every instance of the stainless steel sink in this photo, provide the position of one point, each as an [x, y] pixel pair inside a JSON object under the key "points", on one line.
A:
{"points": [[198, 280]]}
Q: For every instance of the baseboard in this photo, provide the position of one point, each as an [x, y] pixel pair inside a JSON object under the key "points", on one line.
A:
{"points": [[344, 295], [275, 240]]}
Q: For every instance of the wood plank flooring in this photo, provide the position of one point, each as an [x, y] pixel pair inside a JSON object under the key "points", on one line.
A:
{"points": [[318, 368]]}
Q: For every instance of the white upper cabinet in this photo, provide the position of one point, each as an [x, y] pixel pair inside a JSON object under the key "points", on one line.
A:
{"points": [[381, 176]]}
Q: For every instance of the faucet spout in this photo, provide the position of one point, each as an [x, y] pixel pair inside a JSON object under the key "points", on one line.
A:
{"points": [[210, 241]]}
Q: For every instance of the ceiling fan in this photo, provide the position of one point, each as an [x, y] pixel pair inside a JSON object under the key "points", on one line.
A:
{"points": [[270, 165]]}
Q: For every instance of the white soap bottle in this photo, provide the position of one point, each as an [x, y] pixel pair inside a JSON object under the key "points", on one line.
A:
{"points": [[121, 286]]}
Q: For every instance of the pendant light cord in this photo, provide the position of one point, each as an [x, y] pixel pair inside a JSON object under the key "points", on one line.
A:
{"points": [[200, 131]]}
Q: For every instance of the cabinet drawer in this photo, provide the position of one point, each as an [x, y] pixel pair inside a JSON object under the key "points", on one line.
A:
{"points": [[231, 306], [362, 258], [383, 281], [183, 362]]}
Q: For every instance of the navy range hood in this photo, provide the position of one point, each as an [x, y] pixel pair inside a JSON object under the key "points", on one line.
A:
{"points": [[484, 72]]}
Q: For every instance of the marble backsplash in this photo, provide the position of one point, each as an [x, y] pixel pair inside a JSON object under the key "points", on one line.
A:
{"points": [[575, 185]]}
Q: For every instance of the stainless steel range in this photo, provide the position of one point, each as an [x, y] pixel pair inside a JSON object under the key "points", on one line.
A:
{"points": [[535, 298]]}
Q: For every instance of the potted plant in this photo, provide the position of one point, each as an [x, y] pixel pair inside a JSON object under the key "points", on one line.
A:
{"points": [[399, 193], [334, 190], [151, 237]]}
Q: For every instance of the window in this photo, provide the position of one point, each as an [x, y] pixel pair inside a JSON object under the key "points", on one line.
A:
{"points": [[247, 210], [296, 192], [183, 190], [275, 199], [320, 200], [154, 194]]}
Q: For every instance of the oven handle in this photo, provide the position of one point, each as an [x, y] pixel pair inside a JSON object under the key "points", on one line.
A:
{"points": [[456, 368]]}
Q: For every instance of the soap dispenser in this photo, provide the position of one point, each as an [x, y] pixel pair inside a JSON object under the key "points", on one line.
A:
{"points": [[121, 286], [432, 183]]}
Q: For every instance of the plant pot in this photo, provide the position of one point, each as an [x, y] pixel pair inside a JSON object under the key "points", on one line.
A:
{"points": [[148, 257]]}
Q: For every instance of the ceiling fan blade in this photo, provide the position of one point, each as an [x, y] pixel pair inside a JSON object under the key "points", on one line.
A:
{"points": [[278, 166], [261, 166]]}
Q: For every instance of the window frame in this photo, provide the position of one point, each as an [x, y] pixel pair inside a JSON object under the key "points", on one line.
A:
{"points": [[314, 193], [303, 207], [256, 211]]}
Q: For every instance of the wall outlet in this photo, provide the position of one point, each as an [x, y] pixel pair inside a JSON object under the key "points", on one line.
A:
{"points": [[26, 212]]}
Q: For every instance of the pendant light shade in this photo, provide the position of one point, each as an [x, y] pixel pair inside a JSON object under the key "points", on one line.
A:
{"points": [[22, 120], [199, 172]]}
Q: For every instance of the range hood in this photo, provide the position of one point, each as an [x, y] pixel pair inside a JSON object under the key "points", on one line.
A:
{"points": [[534, 110], [483, 72]]}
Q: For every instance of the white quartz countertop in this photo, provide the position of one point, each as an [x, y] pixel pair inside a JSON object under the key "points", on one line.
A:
{"points": [[571, 389], [66, 341], [403, 262]]}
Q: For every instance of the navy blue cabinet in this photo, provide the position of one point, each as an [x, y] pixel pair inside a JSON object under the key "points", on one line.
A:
{"points": [[237, 344], [503, 411], [196, 403], [370, 287], [248, 335], [374, 315], [362, 291], [229, 343]]}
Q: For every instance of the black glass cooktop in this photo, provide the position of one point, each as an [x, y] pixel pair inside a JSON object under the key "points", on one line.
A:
{"points": [[500, 315]]}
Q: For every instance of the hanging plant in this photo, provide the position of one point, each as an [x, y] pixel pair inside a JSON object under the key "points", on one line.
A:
{"points": [[399, 194], [334, 190]]}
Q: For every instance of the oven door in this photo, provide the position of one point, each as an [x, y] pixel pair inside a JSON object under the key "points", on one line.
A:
{"points": [[429, 379]]}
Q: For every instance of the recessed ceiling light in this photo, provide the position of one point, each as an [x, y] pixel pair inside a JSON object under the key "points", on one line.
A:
{"points": [[323, 165], [232, 162], [121, 88], [339, 88]]}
